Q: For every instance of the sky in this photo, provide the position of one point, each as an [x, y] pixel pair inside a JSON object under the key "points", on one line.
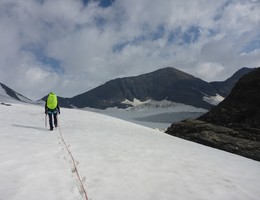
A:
{"points": [[72, 46]]}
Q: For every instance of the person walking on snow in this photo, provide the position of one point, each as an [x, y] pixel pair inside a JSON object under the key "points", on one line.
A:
{"points": [[52, 109]]}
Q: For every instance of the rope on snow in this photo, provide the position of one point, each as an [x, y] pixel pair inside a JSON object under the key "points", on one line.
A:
{"points": [[75, 169]]}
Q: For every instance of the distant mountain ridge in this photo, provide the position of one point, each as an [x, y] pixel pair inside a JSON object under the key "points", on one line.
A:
{"points": [[167, 83], [164, 84], [224, 87], [8, 93]]}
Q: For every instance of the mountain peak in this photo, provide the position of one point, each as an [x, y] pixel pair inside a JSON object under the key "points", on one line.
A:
{"points": [[166, 83], [171, 72]]}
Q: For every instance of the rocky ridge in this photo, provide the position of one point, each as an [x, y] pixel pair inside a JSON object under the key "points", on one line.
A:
{"points": [[163, 84], [233, 125]]}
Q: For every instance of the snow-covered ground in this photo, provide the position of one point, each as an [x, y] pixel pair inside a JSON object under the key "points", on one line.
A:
{"points": [[117, 160]]}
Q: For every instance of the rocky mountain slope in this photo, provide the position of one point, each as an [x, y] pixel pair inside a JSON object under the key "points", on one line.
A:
{"points": [[233, 125], [164, 84], [224, 87], [242, 107], [7, 93]]}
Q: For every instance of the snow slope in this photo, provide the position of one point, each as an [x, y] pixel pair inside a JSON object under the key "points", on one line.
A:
{"points": [[117, 160]]}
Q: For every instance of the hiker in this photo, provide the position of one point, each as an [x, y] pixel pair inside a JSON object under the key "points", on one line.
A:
{"points": [[52, 109]]}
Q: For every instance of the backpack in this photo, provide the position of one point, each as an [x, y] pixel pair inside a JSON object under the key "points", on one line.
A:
{"points": [[52, 101]]}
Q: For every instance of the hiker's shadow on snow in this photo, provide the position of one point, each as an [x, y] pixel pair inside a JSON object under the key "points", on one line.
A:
{"points": [[31, 127]]}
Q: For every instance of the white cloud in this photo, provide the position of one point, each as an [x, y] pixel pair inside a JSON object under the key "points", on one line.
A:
{"points": [[209, 71], [82, 41]]}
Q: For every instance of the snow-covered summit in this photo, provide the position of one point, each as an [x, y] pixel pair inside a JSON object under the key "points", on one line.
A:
{"points": [[116, 160]]}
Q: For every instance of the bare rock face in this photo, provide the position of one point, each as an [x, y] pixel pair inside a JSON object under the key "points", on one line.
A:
{"points": [[233, 125], [242, 107], [167, 83], [224, 87], [239, 142]]}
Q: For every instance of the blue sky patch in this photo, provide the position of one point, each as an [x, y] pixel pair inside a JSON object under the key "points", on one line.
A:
{"points": [[52, 63], [102, 3], [120, 46], [152, 36], [252, 45], [191, 35], [175, 37], [117, 48], [180, 37], [158, 33], [100, 22]]}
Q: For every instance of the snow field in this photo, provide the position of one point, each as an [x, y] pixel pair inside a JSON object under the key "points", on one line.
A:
{"points": [[32, 160], [116, 160]]}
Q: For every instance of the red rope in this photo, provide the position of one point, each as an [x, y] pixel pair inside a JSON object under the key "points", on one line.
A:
{"points": [[75, 167]]}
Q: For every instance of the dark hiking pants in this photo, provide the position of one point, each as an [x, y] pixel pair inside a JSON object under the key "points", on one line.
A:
{"points": [[54, 114]]}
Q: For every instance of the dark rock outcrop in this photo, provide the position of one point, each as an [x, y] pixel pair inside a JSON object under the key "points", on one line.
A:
{"points": [[233, 125], [242, 107], [244, 143]]}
